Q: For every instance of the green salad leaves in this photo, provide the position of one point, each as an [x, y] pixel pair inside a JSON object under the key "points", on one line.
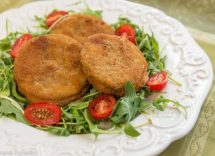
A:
{"points": [[74, 120], [9, 98], [90, 12], [133, 104], [131, 131], [11, 109], [128, 107]]}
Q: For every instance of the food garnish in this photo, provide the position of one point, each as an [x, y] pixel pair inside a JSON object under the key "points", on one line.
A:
{"points": [[158, 81], [19, 43], [101, 107], [54, 16], [126, 30], [43, 113]]}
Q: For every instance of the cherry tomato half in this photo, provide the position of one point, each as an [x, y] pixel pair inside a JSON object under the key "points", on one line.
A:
{"points": [[102, 107], [54, 16], [158, 81], [19, 43], [43, 113], [126, 30]]}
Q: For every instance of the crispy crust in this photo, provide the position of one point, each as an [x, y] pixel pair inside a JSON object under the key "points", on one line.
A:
{"points": [[80, 27], [64, 101], [110, 61], [48, 68]]}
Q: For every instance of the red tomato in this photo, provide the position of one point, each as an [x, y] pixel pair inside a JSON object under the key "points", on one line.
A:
{"points": [[102, 107], [54, 16], [158, 81], [43, 113], [126, 30], [19, 43]]}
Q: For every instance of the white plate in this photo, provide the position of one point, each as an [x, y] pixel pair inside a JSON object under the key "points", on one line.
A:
{"points": [[186, 60]]}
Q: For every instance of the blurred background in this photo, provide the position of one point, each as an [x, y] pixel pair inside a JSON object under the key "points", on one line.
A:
{"points": [[197, 15], [199, 18]]}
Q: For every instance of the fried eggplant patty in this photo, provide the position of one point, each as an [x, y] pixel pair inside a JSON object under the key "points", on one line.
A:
{"points": [[110, 61], [48, 68], [80, 27]]}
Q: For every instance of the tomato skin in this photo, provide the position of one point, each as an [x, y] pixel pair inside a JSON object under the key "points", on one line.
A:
{"points": [[19, 43], [158, 81], [54, 16], [102, 107], [126, 30], [43, 113]]}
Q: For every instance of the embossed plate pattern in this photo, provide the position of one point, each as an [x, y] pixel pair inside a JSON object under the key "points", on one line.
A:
{"points": [[185, 59]]}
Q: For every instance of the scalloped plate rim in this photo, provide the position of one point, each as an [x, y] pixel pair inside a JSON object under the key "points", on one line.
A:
{"points": [[205, 93]]}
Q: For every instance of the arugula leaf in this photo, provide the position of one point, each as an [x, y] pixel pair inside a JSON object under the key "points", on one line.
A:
{"points": [[130, 91], [78, 104], [158, 105], [60, 131], [96, 13], [122, 113], [8, 109], [127, 108], [12, 103], [91, 95], [150, 49], [42, 28], [131, 131], [41, 21], [16, 95], [132, 104], [8, 106], [162, 102], [173, 80], [5, 79], [75, 121], [144, 106], [83, 102], [5, 44]]}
